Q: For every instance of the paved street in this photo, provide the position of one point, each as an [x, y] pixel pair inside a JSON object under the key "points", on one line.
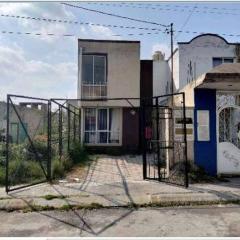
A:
{"points": [[198, 221]]}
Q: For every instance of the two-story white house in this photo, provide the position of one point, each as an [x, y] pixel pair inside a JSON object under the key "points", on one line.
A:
{"points": [[109, 69], [191, 60], [207, 69]]}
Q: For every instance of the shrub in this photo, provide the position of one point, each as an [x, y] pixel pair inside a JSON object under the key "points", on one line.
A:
{"points": [[198, 174], [2, 153], [18, 152], [40, 147], [67, 163], [2, 175], [24, 171], [78, 153], [57, 168]]}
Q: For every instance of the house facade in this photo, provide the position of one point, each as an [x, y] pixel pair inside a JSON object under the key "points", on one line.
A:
{"points": [[109, 72], [207, 69], [33, 118]]}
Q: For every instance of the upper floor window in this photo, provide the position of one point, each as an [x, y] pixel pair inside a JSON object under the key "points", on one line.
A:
{"points": [[94, 76], [219, 60]]}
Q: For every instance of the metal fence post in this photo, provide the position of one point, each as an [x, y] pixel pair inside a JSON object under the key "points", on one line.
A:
{"points": [[68, 144], [74, 126], [185, 141], [7, 146], [60, 131], [158, 140], [144, 145], [79, 124], [49, 141]]}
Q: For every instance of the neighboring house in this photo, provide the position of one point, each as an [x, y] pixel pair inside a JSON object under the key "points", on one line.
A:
{"points": [[33, 117], [207, 69], [161, 74], [111, 69], [191, 60]]}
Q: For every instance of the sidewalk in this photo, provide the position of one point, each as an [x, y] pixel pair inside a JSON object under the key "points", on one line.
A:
{"points": [[139, 193]]}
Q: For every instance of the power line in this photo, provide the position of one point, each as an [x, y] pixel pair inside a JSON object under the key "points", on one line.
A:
{"points": [[177, 6], [114, 35], [73, 35], [115, 15], [65, 21], [185, 23], [173, 8], [37, 34], [50, 20]]}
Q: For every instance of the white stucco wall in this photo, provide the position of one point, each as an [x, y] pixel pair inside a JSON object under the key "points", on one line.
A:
{"points": [[123, 69], [200, 52], [161, 77]]}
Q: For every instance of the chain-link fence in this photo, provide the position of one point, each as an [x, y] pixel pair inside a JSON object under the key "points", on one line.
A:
{"points": [[27, 153], [41, 134]]}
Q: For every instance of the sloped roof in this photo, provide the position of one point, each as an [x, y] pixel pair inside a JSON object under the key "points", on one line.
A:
{"points": [[226, 68], [225, 76]]}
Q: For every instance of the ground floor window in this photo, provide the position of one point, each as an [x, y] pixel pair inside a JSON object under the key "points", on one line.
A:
{"points": [[102, 125], [17, 132]]}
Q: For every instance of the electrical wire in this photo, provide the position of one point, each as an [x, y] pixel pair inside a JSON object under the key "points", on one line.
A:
{"points": [[171, 5], [115, 15], [164, 9], [113, 35], [185, 22], [64, 21], [73, 35]]}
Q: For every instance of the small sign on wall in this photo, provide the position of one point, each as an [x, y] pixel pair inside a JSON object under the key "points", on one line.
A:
{"points": [[179, 125], [203, 133]]}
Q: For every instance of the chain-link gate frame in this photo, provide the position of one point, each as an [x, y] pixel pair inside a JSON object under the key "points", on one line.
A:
{"points": [[164, 158], [73, 119]]}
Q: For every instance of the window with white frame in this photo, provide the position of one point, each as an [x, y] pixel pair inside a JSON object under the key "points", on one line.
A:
{"points": [[94, 76], [220, 60], [102, 126], [203, 128]]}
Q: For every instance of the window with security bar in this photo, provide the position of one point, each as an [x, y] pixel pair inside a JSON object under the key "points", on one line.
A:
{"points": [[102, 126], [94, 76]]}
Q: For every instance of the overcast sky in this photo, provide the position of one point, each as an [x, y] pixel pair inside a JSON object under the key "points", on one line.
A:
{"points": [[46, 66]]}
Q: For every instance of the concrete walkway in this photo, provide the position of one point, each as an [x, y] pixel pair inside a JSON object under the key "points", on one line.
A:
{"points": [[115, 182]]}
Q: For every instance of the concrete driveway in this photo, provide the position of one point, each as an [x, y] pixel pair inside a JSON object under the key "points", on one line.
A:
{"points": [[109, 169]]}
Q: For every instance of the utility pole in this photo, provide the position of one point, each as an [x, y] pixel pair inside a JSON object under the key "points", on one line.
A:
{"points": [[172, 92], [172, 81]]}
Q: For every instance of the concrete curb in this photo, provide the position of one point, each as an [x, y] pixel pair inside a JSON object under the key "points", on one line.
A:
{"points": [[93, 202]]}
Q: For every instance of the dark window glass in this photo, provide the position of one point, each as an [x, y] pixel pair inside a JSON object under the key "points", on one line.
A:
{"points": [[93, 69], [217, 61], [87, 69], [99, 70], [102, 119], [103, 137], [90, 119], [228, 60]]}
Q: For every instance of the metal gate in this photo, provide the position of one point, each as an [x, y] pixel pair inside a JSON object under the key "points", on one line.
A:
{"points": [[28, 159], [164, 141], [39, 131]]}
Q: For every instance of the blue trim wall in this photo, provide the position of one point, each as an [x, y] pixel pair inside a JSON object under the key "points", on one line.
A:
{"points": [[205, 152]]}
